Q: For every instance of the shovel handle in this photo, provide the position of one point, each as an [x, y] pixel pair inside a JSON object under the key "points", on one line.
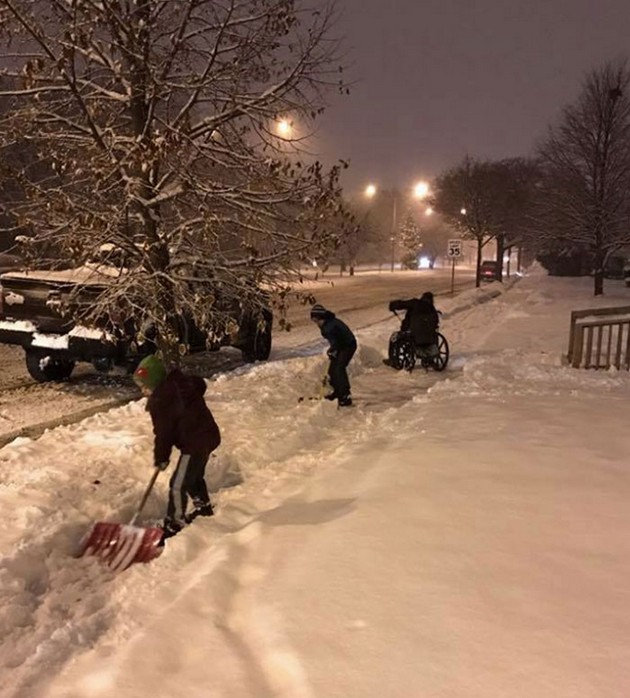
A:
{"points": [[145, 496]]}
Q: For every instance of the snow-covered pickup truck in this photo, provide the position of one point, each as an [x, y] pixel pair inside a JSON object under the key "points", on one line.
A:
{"points": [[31, 316]]}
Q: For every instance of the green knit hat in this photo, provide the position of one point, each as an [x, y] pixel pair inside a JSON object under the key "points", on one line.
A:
{"points": [[150, 372]]}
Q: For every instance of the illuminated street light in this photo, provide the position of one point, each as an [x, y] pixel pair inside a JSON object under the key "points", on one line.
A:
{"points": [[421, 190], [284, 128], [463, 212]]}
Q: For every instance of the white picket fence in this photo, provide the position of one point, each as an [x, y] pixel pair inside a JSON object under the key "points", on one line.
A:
{"points": [[600, 338]]}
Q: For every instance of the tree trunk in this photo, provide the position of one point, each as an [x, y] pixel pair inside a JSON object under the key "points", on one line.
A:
{"points": [[478, 271], [500, 252], [598, 275]]}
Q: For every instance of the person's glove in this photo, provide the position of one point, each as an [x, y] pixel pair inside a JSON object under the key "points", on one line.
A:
{"points": [[162, 466], [332, 353]]}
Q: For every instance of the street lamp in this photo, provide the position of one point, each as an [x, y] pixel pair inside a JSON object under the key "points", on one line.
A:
{"points": [[393, 241], [420, 191], [284, 128], [394, 230]]}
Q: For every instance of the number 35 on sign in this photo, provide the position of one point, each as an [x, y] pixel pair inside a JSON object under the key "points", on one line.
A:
{"points": [[454, 248]]}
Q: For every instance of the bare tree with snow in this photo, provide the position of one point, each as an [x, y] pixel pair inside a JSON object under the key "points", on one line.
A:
{"points": [[467, 197], [517, 191], [157, 125], [488, 200], [584, 199]]}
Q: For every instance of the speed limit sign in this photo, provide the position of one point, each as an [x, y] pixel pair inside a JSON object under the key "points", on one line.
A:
{"points": [[453, 252], [454, 248]]}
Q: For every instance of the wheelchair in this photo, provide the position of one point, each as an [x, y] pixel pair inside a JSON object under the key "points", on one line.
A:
{"points": [[403, 352]]}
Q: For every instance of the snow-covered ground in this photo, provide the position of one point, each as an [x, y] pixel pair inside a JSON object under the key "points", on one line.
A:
{"points": [[28, 408], [461, 535]]}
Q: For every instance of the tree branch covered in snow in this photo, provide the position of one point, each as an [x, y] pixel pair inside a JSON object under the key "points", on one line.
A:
{"points": [[154, 127]]}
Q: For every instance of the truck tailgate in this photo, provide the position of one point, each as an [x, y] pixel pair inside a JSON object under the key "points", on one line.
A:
{"points": [[38, 301]]}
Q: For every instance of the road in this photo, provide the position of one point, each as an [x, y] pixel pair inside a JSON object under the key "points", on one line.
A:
{"points": [[357, 299], [28, 408]]}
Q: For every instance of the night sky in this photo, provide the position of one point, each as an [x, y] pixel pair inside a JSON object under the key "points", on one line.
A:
{"points": [[438, 79]]}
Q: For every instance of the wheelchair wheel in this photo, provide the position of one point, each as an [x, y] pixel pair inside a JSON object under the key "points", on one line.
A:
{"points": [[440, 361], [402, 354]]}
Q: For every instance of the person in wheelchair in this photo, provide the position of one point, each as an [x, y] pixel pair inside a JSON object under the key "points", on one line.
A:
{"points": [[421, 319], [418, 337]]}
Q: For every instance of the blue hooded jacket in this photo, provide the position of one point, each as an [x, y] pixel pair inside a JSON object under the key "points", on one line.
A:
{"points": [[338, 334]]}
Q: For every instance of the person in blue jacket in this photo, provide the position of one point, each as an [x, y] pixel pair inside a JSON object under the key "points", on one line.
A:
{"points": [[343, 344]]}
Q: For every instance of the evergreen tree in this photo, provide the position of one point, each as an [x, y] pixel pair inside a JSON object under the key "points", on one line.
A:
{"points": [[410, 235]]}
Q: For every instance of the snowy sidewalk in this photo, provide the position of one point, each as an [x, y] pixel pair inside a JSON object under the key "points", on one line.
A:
{"points": [[465, 542]]}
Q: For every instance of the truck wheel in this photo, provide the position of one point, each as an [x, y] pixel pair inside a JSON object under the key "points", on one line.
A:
{"points": [[102, 364], [258, 346], [44, 366]]}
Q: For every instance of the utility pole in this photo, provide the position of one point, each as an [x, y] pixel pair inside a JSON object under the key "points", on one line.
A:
{"points": [[393, 236]]}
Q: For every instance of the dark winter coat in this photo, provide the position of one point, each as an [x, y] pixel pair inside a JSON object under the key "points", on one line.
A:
{"points": [[338, 334], [421, 319], [181, 418]]}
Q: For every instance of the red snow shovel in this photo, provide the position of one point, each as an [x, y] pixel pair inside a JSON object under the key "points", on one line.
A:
{"points": [[120, 545]]}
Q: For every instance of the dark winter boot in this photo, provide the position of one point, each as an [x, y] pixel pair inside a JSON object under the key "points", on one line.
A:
{"points": [[201, 509], [331, 396], [345, 401], [170, 527]]}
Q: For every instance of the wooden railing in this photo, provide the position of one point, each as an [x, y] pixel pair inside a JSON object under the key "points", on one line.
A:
{"points": [[600, 338]]}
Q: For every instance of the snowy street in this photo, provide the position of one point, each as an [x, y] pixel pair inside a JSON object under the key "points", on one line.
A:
{"points": [[28, 408], [460, 535]]}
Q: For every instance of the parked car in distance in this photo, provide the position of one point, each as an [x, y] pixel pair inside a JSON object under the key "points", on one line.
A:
{"points": [[489, 270]]}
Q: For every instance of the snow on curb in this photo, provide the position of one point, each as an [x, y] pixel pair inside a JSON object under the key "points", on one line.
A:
{"points": [[34, 431], [479, 296]]}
